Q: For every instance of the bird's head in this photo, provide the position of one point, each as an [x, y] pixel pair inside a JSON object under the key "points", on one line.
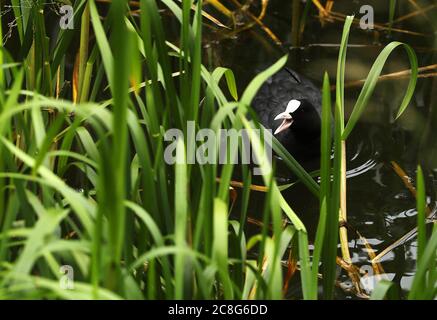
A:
{"points": [[298, 116], [286, 116]]}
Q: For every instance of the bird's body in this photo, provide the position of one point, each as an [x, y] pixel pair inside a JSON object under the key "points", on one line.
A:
{"points": [[290, 105]]}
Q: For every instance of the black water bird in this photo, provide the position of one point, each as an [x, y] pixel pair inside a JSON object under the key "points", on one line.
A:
{"points": [[290, 105]]}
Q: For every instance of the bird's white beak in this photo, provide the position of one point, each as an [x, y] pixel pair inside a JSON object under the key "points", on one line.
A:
{"points": [[286, 123], [283, 115], [292, 106]]}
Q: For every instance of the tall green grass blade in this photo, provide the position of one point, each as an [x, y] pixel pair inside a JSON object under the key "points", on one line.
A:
{"points": [[421, 217], [425, 277], [181, 216], [325, 179], [423, 286], [341, 67], [220, 246], [83, 49], [102, 42], [331, 234]]}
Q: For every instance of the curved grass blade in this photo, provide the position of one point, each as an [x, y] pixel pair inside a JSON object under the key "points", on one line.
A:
{"points": [[372, 80]]}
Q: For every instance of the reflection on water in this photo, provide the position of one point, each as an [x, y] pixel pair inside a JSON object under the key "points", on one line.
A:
{"points": [[379, 205]]}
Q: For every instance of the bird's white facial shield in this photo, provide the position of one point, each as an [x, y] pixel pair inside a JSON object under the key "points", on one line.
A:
{"points": [[287, 119]]}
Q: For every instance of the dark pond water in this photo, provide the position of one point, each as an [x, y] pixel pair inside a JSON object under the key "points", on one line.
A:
{"points": [[379, 205]]}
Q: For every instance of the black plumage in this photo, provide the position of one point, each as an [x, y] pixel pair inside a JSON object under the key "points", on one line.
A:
{"points": [[302, 137]]}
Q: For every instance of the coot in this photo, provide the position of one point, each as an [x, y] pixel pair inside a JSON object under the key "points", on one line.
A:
{"points": [[290, 105]]}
